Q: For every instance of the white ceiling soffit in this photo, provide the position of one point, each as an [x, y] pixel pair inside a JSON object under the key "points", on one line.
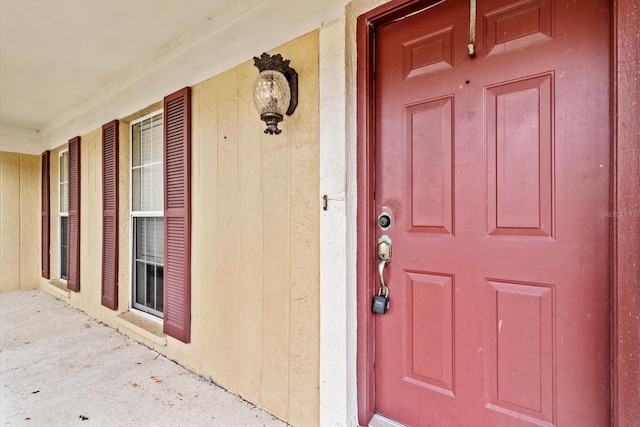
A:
{"points": [[69, 66]]}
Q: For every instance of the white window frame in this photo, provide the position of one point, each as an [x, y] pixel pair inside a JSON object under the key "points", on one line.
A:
{"points": [[61, 213], [139, 214]]}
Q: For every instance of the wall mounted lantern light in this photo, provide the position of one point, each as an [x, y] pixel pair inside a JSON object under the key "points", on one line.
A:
{"points": [[275, 91]]}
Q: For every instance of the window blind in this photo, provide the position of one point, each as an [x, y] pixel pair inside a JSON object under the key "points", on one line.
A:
{"points": [[147, 165]]}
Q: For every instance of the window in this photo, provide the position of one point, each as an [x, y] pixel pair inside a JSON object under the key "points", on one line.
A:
{"points": [[63, 210], [161, 206], [147, 214]]}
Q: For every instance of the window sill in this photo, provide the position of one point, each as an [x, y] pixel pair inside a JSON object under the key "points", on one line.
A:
{"points": [[145, 330], [58, 289]]}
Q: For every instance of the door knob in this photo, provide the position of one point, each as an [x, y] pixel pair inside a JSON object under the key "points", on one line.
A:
{"points": [[380, 303]]}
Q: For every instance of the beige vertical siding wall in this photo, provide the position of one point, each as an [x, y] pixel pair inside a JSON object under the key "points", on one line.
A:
{"points": [[255, 240], [90, 225], [19, 221], [256, 236]]}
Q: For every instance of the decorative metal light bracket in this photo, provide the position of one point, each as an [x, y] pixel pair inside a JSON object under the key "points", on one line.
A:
{"points": [[281, 65]]}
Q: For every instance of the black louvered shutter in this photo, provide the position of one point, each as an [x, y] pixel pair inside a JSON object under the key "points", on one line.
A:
{"points": [[73, 258], [45, 192], [177, 215], [110, 164]]}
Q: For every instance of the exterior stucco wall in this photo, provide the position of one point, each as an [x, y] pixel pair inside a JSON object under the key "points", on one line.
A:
{"points": [[19, 221], [255, 241]]}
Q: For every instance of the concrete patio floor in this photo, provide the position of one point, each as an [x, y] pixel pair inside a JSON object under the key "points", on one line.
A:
{"points": [[59, 367]]}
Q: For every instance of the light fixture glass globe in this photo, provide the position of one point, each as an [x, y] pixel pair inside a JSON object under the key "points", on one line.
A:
{"points": [[271, 93]]}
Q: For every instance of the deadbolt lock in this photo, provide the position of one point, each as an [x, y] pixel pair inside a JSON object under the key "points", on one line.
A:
{"points": [[384, 221], [384, 248]]}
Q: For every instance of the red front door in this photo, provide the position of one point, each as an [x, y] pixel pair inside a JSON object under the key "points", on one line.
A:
{"points": [[494, 171]]}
